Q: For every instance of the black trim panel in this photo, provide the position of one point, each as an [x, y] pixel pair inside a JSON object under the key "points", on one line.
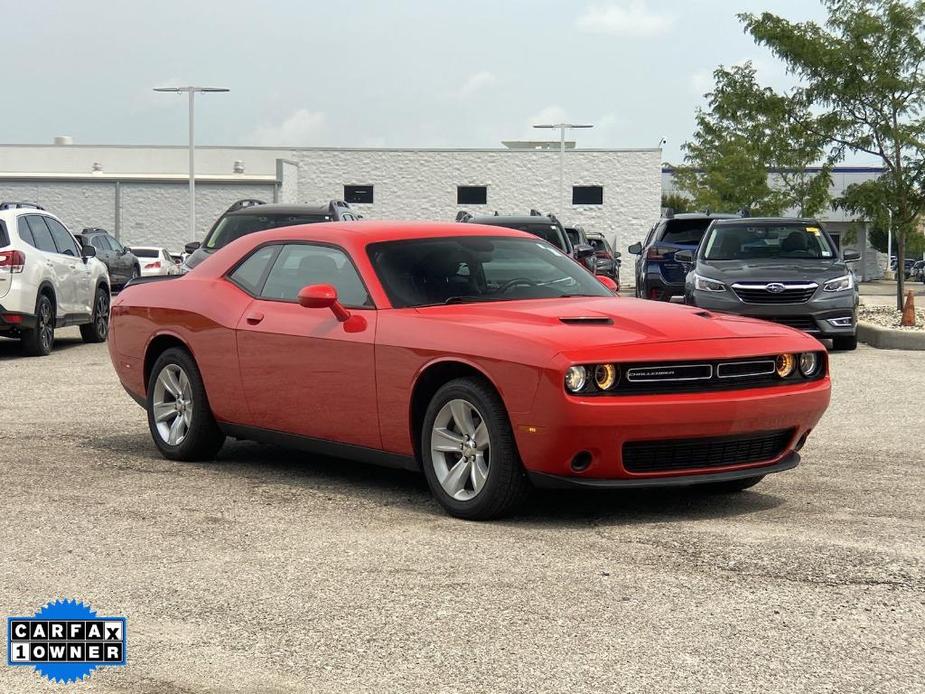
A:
{"points": [[149, 278], [547, 481], [321, 446]]}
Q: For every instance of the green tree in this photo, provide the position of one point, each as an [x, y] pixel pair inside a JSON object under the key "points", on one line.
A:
{"points": [[747, 132], [863, 73], [677, 202]]}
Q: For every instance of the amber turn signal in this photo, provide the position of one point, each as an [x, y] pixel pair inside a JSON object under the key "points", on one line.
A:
{"points": [[785, 364]]}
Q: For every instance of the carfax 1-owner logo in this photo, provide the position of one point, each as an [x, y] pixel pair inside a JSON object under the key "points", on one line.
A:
{"points": [[65, 641]]}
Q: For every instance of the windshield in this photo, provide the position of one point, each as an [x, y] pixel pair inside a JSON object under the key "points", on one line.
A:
{"points": [[424, 272], [233, 227], [754, 241], [685, 232], [546, 231]]}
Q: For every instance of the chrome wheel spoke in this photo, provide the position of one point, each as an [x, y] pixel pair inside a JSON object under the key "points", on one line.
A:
{"points": [[479, 473], [446, 441], [177, 429], [455, 480], [462, 415], [172, 405], [481, 436], [164, 411], [171, 382]]}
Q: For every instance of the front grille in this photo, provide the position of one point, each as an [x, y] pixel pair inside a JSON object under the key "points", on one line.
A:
{"points": [[785, 294], [804, 323], [688, 454]]}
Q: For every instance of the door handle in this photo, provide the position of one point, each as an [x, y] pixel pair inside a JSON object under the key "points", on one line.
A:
{"points": [[253, 318]]}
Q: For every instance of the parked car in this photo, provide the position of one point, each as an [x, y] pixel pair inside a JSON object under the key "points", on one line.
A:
{"points": [[784, 270], [122, 264], [47, 280], [918, 271], [480, 355], [547, 227], [155, 261], [607, 260], [247, 216], [658, 275], [907, 264], [578, 238]]}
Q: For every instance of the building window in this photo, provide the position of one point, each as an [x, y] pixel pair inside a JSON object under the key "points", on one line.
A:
{"points": [[472, 195], [587, 195], [358, 194]]}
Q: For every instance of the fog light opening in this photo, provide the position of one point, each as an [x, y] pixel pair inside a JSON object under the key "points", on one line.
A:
{"points": [[581, 461]]}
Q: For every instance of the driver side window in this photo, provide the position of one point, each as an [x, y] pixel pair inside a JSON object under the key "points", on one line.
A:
{"points": [[301, 265]]}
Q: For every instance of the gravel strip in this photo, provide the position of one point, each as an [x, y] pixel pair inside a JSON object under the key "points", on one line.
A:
{"points": [[889, 317]]}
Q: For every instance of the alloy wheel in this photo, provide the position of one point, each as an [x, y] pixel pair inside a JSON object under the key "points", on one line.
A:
{"points": [[102, 314], [173, 404], [460, 447], [46, 326]]}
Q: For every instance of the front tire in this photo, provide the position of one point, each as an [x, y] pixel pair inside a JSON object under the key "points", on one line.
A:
{"points": [[38, 341], [469, 453], [845, 343], [97, 330], [179, 415]]}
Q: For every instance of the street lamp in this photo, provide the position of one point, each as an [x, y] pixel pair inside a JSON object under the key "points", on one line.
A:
{"points": [[562, 128], [192, 157]]}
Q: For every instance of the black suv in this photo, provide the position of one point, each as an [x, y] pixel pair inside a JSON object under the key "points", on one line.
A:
{"points": [[122, 264], [658, 275], [547, 227], [248, 216]]}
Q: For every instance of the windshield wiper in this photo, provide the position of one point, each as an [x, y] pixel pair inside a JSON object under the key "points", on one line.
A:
{"points": [[464, 299]]}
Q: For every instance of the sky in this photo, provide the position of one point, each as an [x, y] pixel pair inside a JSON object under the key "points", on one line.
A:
{"points": [[392, 73]]}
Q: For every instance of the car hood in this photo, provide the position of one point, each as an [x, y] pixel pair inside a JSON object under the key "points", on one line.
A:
{"points": [[588, 323], [772, 270]]}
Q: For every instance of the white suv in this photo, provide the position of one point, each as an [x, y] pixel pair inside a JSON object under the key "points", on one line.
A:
{"points": [[47, 281]]}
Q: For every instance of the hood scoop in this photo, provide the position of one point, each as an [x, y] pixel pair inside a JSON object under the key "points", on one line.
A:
{"points": [[587, 320]]}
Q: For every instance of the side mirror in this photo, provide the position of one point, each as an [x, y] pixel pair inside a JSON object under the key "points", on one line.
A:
{"points": [[323, 296], [617, 254], [607, 282], [88, 251], [684, 257], [583, 250], [635, 249], [846, 255], [192, 246]]}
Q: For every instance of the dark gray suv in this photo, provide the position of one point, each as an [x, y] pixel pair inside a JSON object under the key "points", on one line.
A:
{"points": [[784, 270]]}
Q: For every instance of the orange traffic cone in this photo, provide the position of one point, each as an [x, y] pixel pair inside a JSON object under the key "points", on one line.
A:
{"points": [[908, 319]]}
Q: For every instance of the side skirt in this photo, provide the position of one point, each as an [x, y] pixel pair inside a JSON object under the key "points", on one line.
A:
{"points": [[320, 446]]}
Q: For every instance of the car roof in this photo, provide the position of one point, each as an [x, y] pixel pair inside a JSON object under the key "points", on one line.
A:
{"points": [[769, 220], [704, 215], [281, 209], [516, 219], [373, 231]]}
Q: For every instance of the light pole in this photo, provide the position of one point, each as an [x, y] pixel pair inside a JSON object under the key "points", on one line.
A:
{"points": [[562, 128], [192, 146]]}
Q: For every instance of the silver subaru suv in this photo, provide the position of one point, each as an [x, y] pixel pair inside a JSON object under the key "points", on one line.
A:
{"points": [[784, 270]]}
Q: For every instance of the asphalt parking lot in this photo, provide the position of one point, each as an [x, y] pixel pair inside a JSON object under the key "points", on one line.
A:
{"points": [[268, 571]]}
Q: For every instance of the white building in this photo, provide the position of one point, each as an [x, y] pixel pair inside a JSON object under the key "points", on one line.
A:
{"points": [[141, 193]]}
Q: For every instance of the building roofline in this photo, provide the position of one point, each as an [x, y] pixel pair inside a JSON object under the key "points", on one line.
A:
{"points": [[134, 178], [327, 149]]}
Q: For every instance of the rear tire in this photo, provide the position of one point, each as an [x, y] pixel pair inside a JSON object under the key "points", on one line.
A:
{"points": [[97, 330], [179, 416], [469, 453], [730, 486], [845, 343], [38, 341]]}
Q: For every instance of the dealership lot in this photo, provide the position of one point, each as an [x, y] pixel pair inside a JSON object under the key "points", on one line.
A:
{"points": [[271, 571]]}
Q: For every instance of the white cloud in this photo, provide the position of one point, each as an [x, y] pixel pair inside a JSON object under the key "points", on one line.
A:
{"points": [[302, 128], [475, 83], [701, 82], [631, 19]]}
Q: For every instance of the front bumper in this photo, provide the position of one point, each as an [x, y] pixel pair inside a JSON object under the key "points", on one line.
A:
{"points": [[560, 427], [821, 316]]}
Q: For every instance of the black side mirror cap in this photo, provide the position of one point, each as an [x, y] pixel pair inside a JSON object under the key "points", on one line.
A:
{"points": [[684, 256], [192, 246], [635, 249], [583, 250], [88, 252], [851, 255]]}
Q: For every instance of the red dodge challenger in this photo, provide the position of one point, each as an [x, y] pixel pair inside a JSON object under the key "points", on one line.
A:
{"points": [[480, 355]]}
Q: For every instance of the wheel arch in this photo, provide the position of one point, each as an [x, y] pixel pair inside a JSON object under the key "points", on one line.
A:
{"points": [[156, 347], [429, 380]]}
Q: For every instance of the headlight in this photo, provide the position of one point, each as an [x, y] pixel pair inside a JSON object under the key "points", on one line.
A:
{"points": [[809, 363], [605, 376], [705, 284], [839, 284], [576, 378], [785, 364]]}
